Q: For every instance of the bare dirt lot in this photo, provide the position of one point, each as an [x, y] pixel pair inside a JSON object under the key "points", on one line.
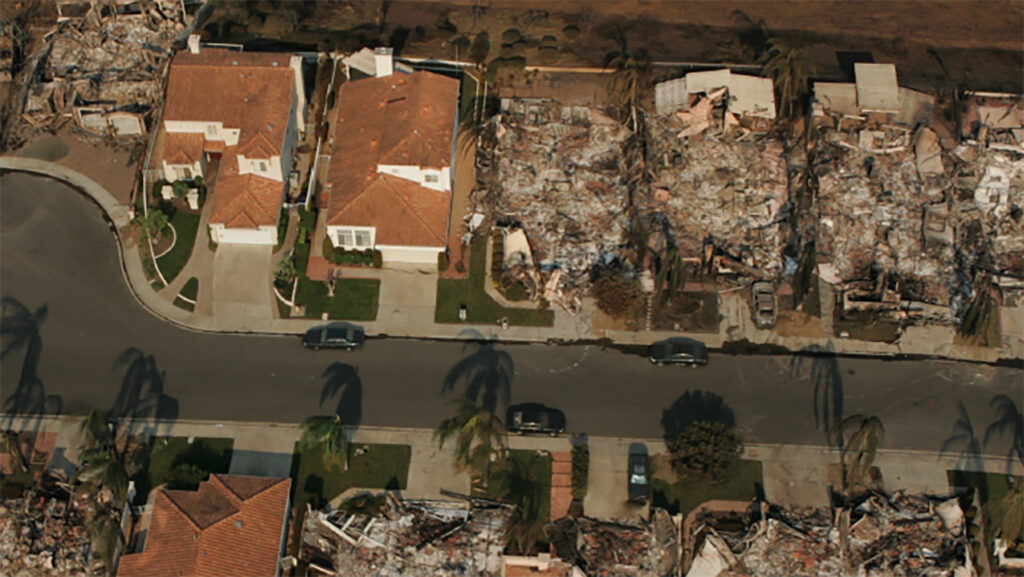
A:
{"points": [[938, 43]]}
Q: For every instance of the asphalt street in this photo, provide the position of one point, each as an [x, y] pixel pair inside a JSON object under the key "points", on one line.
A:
{"points": [[57, 251]]}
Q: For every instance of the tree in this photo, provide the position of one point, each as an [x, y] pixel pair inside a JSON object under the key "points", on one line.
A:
{"points": [[281, 21], [1005, 516], [12, 445], [480, 48], [329, 435], [152, 224], [790, 69], [105, 467], [1009, 419], [857, 452], [671, 274], [517, 485], [705, 450], [180, 188], [479, 436], [630, 79], [103, 525], [615, 294], [286, 270]]}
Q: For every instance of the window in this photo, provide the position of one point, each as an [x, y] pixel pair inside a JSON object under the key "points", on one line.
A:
{"points": [[187, 173], [262, 166], [211, 129], [362, 238], [430, 178], [345, 238]]}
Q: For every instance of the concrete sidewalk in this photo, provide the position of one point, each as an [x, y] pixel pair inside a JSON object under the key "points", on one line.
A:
{"points": [[792, 474], [735, 325]]}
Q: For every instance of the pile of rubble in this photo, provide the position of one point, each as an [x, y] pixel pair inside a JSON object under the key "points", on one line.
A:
{"points": [[104, 71], [906, 217], [605, 549], [42, 533], [426, 537], [559, 176], [724, 185], [890, 536]]}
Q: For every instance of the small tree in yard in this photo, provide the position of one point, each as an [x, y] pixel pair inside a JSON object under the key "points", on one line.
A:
{"points": [[180, 188], [151, 225], [705, 450], [286, 270]]}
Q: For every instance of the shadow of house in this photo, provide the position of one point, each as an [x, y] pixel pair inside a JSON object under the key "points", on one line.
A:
{"points": [[344, 379], [486, 373], [20, 329], [695, 406], [141, 397], [822, 367]]}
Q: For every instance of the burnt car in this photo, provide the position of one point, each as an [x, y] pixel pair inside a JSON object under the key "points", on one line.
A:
{"points": [[334, 336], [535, 418], [764, 306], [639, 476], [678, 351]]}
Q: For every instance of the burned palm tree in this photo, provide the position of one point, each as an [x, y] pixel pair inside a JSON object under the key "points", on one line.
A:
{"points": [[790, 69], [631, 71], [858, 437]]}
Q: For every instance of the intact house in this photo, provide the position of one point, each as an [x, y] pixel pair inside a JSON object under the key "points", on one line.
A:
{"points": [[230, 525], [232, 118], [390, 179]]}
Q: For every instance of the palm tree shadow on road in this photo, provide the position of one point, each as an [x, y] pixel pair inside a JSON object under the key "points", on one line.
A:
{"points": [[344, 379], [141, 398], [21, 329], [486, 372], [823, 369]]}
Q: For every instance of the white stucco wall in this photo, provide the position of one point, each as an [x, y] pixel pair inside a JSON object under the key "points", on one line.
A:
{"points": [[263, 235], [410, 254], [251, 166], [170, 174], [228, 135], [418, 174]]}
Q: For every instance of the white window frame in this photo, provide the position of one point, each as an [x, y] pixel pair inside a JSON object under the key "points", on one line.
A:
{"points": [[369, 238], [211, 130], [341, 234], [431, 178], [261, 165], [348, 237]]}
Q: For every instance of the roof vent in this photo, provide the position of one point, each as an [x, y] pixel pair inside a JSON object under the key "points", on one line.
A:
{"points": [[234, 63], [239, 524], [274, 64]]}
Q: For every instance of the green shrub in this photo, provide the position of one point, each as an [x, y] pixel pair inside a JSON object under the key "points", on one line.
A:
{"points": [[378, 259], [580, 470], [368, 257], [705, 450], [442, 262], [302, 235], [511, 36], [328, 249], [346, 257], [571, 32]]}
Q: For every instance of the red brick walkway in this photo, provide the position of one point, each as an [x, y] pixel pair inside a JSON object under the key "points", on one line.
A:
{"points": [[561, 484]]}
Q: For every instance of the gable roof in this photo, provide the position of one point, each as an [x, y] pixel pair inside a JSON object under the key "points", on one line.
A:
{"points": [[249, 91], [244, 200], [403, 120], [183, 147], [231, 525]]}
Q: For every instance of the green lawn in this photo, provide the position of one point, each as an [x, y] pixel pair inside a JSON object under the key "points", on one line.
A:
{"points": [[480, 307], [540, 471], [185, 226], [379, 467], [990, 486], [355, 299], [684, 496], [210, 454], [191, 289]]}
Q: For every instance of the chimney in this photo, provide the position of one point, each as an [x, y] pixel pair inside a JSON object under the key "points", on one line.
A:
{"points": [[193, 43], [385, 63]]}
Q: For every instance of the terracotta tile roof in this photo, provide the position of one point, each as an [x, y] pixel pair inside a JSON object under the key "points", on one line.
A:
{"points": [[183, 147], [258, 146], [254, 95], [406, 120], [232, 525], [244, 200]]}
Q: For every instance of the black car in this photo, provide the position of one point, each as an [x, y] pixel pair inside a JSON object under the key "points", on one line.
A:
{"points": [[334, 336], [535, 418], [678, 351], [639, 484]]}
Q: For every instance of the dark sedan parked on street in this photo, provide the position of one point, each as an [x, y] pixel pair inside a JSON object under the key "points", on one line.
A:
{"points": [[678, 351], [639, 484], [334, 336], [535, 418]]}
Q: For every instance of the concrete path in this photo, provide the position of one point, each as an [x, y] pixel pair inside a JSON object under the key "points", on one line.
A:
{"points": [[408, 295], [199, 265], [242, 282]]}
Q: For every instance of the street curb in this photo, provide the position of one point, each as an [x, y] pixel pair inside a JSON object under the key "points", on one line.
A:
{"points": [[11, 164]]}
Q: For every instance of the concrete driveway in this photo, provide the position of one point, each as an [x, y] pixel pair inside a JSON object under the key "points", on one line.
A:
{"points": [[242, 282], [607, 483], [408, 295]]}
